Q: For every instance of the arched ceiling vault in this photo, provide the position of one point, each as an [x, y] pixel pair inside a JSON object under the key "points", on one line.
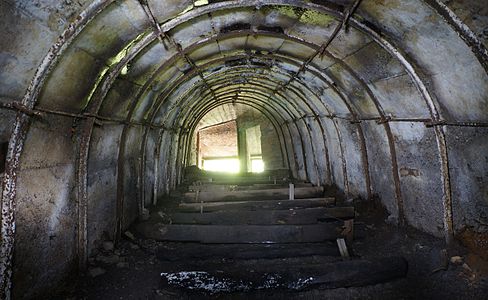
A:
{"points": [[338, 80]]}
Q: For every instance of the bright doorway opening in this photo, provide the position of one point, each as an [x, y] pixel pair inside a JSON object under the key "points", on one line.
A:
{"points": [[217, 148], [229, 165], [257, 164]]}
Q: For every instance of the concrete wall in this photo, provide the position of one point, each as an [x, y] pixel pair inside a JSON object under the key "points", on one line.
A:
{"points": [[46, 209]]}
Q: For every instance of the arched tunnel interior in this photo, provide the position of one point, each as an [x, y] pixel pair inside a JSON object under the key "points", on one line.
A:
{"points": [[104, 105]]}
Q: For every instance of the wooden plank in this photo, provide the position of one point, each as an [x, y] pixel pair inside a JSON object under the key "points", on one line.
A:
{"points": [[341, 244], [264, 217], [190, 251], [241, 234], [256, 205], [233, 278], [281, 193], [241, 187], [236, 179]]}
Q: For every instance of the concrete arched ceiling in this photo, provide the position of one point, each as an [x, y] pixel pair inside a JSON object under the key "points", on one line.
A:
{"points": [[380, 98]]}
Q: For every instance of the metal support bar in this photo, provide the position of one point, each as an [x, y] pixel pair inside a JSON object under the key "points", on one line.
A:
{"points": [[101, 120], [428, 122], [41, 112]]}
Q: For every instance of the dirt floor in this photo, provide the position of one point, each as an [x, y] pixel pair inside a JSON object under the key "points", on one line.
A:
{"points": [[132, 271]]}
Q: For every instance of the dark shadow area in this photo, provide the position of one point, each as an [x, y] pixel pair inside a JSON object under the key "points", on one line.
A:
{"points": [[3, 155]]}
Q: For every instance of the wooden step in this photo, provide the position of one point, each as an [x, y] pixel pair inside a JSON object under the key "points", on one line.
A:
{"points": [[233, 277], [208, 187], [192, 251], [264, 217], [242, 234], [268, 194], [242, 180], [256, 205], [251, 264]]}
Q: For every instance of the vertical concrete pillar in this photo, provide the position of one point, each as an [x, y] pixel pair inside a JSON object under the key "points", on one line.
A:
{"points": [[242, 148]]}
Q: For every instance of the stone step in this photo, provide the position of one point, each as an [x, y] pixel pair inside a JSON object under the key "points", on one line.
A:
{"points": [[241, 234], [265, 194], [264, 217], [173, 251], [256, 205]]}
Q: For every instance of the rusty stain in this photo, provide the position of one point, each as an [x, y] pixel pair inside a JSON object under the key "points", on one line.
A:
{"points": [[474, 241], [404, 172]]}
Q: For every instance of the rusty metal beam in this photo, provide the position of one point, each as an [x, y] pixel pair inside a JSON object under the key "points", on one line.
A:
{"points": [[468, 36], [95, 101], [434, 113], [162, 36], [320, 51], [41, 112], [101, 120]]}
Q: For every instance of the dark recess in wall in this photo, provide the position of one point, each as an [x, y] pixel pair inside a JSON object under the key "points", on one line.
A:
{"points": [[3, 155]]}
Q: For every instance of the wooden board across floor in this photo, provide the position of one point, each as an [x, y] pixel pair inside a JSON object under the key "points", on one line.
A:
{"points": [[264, 217], [243, 180], [337, 274], [190, 251], [281, 193], [256, 205], [242, 234], [239, 187]]}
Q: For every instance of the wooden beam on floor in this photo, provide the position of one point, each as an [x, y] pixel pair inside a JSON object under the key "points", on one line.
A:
{"points": [[197, 251], [239, 187], [256, 205], [264, 194], [242, 234], [264, 217], [233, 278]]}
